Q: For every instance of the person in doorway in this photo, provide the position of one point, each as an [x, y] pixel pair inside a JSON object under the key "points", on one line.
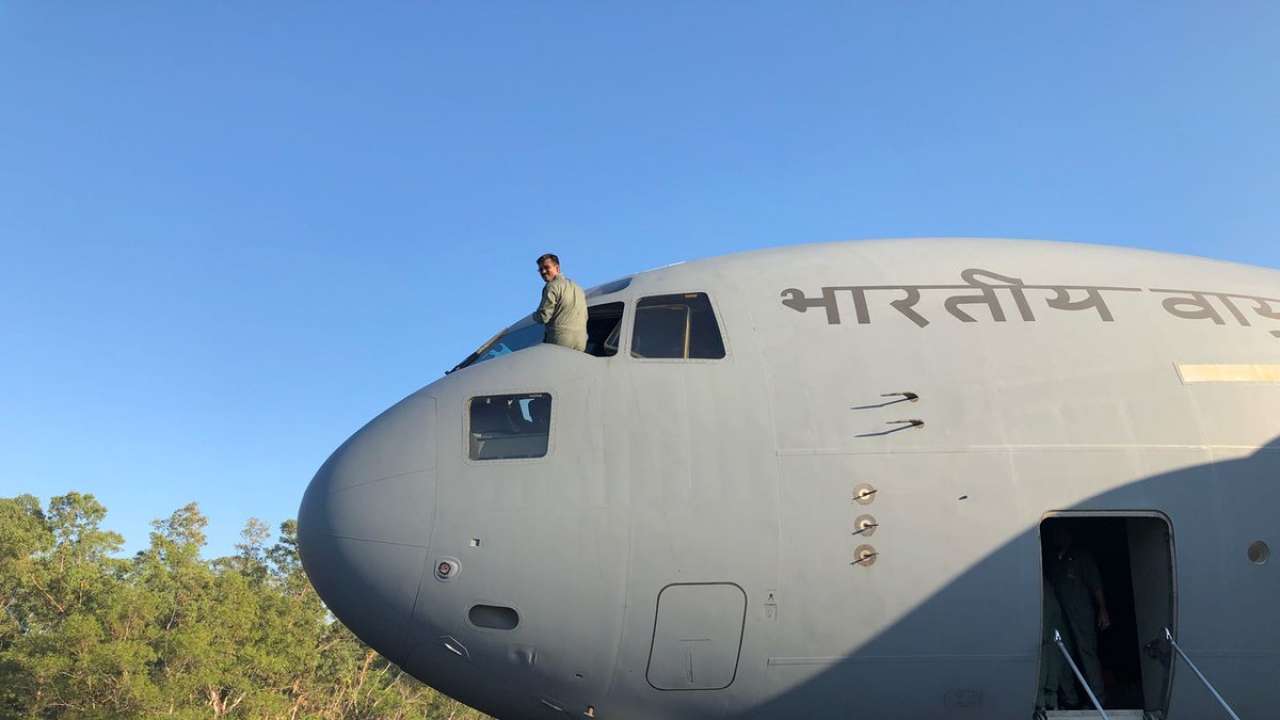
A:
{"points": [[1057, 682], [563, 309], [1077, 586]]}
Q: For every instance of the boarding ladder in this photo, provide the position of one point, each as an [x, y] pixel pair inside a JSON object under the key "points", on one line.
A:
{"points": [[1216, 696], [1123, 714]]}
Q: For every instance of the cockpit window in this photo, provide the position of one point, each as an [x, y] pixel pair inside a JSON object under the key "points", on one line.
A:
{"points": [[679, 326], [515, 339], [603, 324], [505, 427]]}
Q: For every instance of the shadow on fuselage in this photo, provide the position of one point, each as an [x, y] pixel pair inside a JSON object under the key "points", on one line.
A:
{"points": [[972, 649]]}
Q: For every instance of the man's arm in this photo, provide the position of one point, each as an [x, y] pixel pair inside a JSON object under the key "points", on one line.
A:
{"points": [[548, 305]]}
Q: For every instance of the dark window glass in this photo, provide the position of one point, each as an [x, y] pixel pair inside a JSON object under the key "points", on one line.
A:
{"points": [[509, 426], [603, 322], [676, 326]]}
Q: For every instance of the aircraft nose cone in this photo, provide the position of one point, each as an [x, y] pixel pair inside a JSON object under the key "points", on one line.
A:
{"points": [[365, 521]]}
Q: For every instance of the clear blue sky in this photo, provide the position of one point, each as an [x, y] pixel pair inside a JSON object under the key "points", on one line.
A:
{"points": [[231, 233]]}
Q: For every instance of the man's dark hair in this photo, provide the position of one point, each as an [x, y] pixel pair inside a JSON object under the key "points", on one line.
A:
{"points": [[549, 256]]}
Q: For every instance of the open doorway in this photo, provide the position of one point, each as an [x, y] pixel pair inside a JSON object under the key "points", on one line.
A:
{"points": [[1109, 590]]}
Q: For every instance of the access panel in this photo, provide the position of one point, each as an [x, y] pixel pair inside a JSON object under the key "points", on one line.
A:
{"points": [[697, 636]]}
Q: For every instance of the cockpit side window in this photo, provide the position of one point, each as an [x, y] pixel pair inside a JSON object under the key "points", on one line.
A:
{"points": [[517, 339], [604, 322], [681, 326], [506, 427]]}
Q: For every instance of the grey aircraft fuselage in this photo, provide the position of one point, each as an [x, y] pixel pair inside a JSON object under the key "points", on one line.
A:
{"points": [[839, 517]]}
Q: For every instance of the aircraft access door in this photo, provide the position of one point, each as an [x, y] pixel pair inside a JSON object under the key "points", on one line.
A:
{"points": [[697, 636], [1109, 591]]}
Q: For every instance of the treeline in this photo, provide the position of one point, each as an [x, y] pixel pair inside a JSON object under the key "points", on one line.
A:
{"points": [[167, 634]]}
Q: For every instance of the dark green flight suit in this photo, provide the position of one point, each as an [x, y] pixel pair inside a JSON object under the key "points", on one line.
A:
{"points": [[1055, 674], [563, 311], [1074, 578]]}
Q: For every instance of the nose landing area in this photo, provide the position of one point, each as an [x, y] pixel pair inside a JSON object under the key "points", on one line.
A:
{"points": [[365, 522], [370, 586]]}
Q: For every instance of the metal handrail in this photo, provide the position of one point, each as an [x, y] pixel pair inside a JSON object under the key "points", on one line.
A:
{"points": [[1169, 636], [1057, 639]]}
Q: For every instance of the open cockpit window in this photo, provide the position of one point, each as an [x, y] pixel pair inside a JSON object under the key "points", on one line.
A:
{"points": [[604, 322], [604, 325], [681, 326], [518, 337], [506, 427]]}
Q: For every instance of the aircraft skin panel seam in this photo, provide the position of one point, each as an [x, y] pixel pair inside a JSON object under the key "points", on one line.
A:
{"points": [[828, 660], [393, 476], [417, 593], [618, 674], [995, 449], [378, 542], [769, 386]]}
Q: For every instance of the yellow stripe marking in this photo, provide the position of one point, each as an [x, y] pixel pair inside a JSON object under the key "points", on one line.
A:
{"points": [[1229, 373]]}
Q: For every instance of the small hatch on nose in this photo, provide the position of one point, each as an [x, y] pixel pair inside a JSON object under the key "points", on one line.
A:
{"points": [[494, 617]]}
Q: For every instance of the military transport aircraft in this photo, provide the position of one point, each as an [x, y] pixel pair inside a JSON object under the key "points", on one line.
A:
{"points": [[814, 481]]}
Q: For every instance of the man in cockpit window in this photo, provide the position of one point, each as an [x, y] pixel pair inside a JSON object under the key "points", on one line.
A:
{"points": [[563, 309]]}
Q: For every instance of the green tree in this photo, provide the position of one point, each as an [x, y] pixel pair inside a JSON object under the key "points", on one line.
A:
{"points": [[166, 633], [24, 536], [72, 653]]}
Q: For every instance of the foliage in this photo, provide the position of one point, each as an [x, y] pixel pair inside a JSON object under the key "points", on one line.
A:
{"points": [[166, 633]]}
